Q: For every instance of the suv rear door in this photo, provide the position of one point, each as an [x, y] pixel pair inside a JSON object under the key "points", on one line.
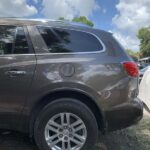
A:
{"points": [[17, 66]]}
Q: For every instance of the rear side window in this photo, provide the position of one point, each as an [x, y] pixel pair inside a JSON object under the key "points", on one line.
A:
{"points": [[69, 41], [13, 40]]}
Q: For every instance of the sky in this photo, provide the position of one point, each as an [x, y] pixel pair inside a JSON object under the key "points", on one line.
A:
{"points": [[121, 17]]}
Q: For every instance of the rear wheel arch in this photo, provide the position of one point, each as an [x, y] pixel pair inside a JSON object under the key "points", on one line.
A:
{"points": [[78, 95]]}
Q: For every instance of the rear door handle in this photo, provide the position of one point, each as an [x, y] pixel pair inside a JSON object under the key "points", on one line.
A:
{"points": [[14, 73]]}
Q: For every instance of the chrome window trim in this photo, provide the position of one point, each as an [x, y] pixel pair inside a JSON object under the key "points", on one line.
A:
{"points": [[13, 55], [94, 52], [40, 54]]}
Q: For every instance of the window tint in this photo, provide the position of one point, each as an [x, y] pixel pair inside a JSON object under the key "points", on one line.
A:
{"points": [[63, 40], [13, 40], [21, 45], [7, 34]]}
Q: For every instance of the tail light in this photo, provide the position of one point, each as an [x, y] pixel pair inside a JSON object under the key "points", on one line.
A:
{"points": [[131, 69]]}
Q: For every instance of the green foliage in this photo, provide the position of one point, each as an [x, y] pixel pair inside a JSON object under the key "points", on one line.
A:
{"points": [[134, 55], [144, 36], [83, 20], [61, 18]]}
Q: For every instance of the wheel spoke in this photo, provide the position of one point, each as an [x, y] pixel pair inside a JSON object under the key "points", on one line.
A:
{"points": [[68, 118], [51, 138], [53, 123], [69, 145], [78, 143], [78, 122], [52, 129], [76, 147], [79, 128], [81, 138], [63, 145], [57, 148], [62, 115], [55, 142]]}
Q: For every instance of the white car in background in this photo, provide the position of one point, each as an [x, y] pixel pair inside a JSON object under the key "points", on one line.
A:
{"points": [[144, 93], [142, 72]]}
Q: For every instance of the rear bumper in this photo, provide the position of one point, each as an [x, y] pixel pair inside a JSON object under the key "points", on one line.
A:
{"points": [[124, 115]]}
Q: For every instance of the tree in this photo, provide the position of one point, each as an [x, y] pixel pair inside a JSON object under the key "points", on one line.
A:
{"points": [[134, 55], [61, 18], [144, 36], [83, 20]]}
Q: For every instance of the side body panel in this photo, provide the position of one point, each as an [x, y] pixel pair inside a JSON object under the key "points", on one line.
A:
{"points": [[14, 88], [100, 75]]}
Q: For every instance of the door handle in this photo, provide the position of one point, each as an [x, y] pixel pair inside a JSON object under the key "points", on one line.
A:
{"points": [[14, 73]]}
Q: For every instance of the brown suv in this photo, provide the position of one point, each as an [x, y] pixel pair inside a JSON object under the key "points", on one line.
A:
{"points": [[61, 83]]}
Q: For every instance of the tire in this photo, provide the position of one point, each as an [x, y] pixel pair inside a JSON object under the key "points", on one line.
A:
{"points": [[74, 109]]}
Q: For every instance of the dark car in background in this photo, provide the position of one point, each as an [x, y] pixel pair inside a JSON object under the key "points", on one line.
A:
{"points": [[62, 83]]}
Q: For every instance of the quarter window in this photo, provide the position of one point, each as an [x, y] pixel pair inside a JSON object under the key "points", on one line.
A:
{"points": [[13, 40], [69, 41]]}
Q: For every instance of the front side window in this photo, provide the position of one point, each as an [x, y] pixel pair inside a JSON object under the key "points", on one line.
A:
{"points": [[13, 40], [69, 41], [21, 45]]}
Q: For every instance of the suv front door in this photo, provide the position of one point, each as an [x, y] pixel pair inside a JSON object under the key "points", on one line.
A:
{"points": [[17, 66]]}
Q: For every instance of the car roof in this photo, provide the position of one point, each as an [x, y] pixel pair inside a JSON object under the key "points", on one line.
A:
{"points": [[47, 22], [25, 21], [19, 21]]}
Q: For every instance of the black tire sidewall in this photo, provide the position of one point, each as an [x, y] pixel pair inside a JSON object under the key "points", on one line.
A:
{"points": [[66, 105]]}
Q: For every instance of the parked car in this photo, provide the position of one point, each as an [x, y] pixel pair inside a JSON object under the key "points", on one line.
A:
{"points": [[143, 65], [142, 71], [144, 93], [62, 83]]}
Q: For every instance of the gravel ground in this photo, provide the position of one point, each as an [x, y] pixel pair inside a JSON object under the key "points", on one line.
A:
{"points": [[133, 138]]}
